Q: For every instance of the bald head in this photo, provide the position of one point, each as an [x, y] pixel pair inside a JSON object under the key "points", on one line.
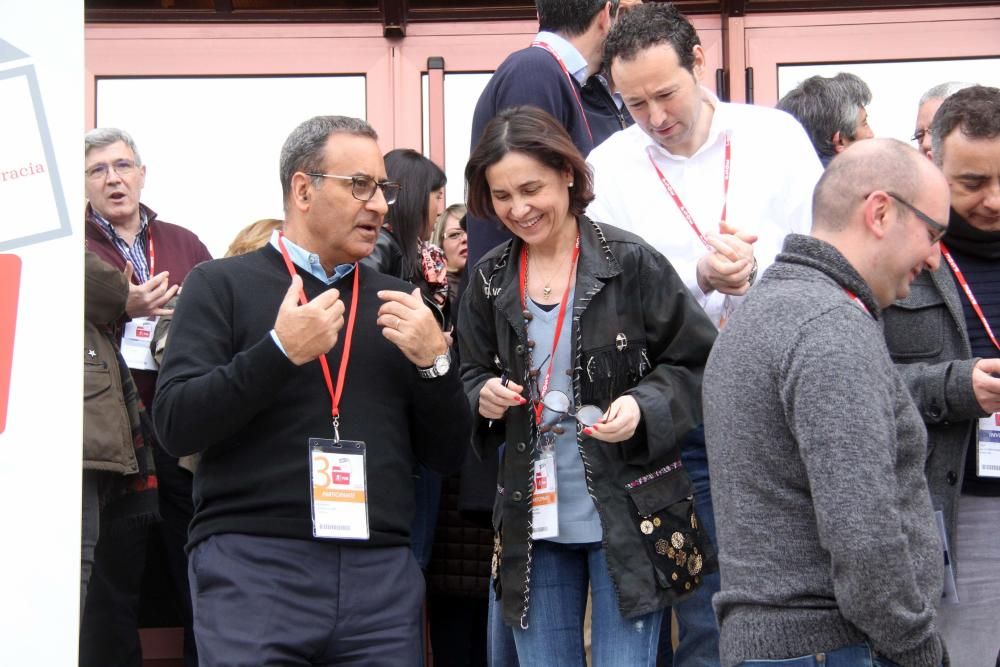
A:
{"points": [[877, 164], [884, 207]]}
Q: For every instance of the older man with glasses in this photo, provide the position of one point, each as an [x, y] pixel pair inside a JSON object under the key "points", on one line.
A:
{"points": [[310, 383], [156, 256], [944, 339]]}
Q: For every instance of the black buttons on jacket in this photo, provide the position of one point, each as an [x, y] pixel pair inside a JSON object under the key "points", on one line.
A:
{"points": [[520, 447], [934, 411], [519, 350], [517, 496], [952, 477]]}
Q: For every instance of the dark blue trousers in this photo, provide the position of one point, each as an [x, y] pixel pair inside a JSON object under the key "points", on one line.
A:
{"points": [[276, 601]]}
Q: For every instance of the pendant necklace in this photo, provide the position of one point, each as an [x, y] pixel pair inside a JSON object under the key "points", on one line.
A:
{"points": [[547, 285]]}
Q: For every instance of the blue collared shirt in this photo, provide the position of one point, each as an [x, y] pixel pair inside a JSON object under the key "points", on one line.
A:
{"points": [[137, 252], [309, 262], [575, 63]]}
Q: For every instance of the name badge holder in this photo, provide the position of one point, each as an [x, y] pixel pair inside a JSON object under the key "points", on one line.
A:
{"points": [[339, 499], [988, 449], [545, 498], [135, 347]]}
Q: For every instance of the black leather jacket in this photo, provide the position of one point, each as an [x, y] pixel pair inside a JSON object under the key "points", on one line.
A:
{"points": [[637, 331]]}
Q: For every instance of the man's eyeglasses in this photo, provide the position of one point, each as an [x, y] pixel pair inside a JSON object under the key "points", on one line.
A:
{"points": [[363, 187], [455, 235], [919, 135], [99, 172], [937, 230]]}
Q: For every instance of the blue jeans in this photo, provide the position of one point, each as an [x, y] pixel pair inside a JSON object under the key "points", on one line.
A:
{"points": [[560, 574], [856, 655], [698, 630], [500, 649]]}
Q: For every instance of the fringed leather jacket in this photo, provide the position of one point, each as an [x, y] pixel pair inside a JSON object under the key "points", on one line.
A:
{"points": [[635, 330]]}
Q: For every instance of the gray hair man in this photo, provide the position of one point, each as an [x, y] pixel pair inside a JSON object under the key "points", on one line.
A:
{"points": [[333, 380], [829, 548], [929, 103], [832, 111], [156, 256], [944, 339]]}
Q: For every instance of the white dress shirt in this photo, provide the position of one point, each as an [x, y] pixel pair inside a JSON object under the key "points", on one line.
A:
{"points": [[773, 170]]}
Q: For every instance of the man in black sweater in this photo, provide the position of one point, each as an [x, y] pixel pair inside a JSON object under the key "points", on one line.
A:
{"points": [[310, 384]]}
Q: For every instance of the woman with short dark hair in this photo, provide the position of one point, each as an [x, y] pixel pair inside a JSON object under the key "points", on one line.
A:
{"points": [[582, 355]]}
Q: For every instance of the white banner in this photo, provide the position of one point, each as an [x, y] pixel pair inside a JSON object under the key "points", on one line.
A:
{"points": [[41, 318]]}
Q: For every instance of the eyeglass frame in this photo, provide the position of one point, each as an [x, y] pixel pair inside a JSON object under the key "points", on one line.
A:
{"points": [[938, 229], [534, 398], [379, 185], [919, 135], [456, 234], [122, 164]]}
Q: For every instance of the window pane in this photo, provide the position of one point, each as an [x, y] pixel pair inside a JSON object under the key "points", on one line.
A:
{"points": [[211, 144], [897, 86]]}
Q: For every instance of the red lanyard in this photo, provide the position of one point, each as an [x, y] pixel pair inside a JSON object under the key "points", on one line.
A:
{"points": [[854, 297], [523, 284], [345, 355], [152, 251], [677, 199], [572, 84], [968, 293]]}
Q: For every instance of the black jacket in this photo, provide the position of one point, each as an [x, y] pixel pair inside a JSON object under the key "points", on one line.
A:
{"points": [[637, 331]]}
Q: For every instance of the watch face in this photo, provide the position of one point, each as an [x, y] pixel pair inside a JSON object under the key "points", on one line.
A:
{"points": [[441, 364]]}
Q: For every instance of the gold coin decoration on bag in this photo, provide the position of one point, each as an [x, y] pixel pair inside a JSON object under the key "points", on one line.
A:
{"points": [[662, 547], [646, 527], [694, 522], [656, 521], [677, 539], [694, 564]]}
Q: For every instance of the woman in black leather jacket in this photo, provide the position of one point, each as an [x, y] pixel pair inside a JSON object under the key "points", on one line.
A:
{"points": [[582, 356]]}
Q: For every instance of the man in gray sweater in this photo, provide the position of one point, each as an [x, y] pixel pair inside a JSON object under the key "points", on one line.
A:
{"points": [[828, 547]]}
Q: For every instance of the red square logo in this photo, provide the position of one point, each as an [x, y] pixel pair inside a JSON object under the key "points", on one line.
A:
{"points": [[10, 283]]}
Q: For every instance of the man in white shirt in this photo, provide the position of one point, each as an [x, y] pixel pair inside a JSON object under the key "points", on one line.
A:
{"points": [[715, 187]]}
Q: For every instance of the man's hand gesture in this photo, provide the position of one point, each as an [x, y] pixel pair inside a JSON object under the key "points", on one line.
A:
{"points": [[148, 298], [309, 330], [728, 266]]}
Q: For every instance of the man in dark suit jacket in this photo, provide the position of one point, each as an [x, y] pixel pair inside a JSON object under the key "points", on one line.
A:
{"points": [[943, 338]]}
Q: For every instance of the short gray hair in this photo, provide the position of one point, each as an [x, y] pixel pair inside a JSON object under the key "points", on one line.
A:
{"points": [[883, 164], [100, 137], [825, 106], [943, 90], [305, 147]]}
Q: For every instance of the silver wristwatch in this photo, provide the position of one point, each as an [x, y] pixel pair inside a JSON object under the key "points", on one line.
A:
{"points": [[440, 367]]}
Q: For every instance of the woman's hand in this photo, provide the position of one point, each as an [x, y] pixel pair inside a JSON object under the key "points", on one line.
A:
{"points": [[618, 423], [497, 395]]}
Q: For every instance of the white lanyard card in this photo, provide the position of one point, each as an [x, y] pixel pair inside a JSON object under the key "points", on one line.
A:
{"points": [[339, 489], [544, 499], [135, 343], [988, 451]]}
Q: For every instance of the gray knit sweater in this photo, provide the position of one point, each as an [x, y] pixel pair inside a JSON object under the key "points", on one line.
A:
{"points": [[826, 532]]}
